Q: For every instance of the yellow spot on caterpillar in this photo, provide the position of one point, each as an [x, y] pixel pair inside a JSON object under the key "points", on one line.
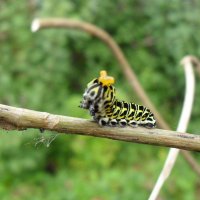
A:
{"points": [[106, 80]]}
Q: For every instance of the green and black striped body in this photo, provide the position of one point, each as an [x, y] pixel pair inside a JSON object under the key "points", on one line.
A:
{"points": [[100, 100]]}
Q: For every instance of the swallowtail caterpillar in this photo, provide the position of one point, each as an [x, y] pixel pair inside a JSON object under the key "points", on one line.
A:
{"points": [[99, 98]]}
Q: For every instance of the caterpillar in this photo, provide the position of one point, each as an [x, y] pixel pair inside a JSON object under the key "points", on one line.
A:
{"points": [[99, 98]]}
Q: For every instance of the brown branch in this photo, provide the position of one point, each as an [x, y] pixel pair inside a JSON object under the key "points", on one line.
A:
{"points": [[125, 66], [117, 52], [13, 118]]}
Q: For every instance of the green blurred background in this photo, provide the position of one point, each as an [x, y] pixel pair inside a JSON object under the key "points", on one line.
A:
{"points": [[48, 71]]}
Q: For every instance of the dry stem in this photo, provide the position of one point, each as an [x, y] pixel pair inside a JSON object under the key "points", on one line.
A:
{"points": [[13, 118], [182, 125]]}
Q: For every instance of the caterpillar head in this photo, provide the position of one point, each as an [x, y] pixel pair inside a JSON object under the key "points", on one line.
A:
{"points": [[95, 90]]}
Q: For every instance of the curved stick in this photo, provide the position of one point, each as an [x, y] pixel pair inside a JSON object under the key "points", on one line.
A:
{"points": [[182, 125], [128, 72], [104, 36]]}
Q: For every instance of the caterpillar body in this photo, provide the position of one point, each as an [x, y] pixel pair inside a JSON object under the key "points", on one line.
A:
{"points": [[99, 98]]}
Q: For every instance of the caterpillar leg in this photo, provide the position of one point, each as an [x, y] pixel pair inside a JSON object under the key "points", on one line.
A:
{"points": [[149, 125], [150, 122], [92, 110], [122, 122], [103, 121], [113, 122], [133, 123]]}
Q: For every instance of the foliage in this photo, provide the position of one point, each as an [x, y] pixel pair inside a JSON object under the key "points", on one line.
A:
{"points": [[48, 71]]}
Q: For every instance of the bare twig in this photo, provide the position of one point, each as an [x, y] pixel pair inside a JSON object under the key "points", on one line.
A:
{"points": [[105, 37], [13, 118], [182, 126], [125, 66], [188, 157]]}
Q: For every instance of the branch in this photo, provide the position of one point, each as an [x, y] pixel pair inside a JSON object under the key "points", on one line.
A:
{"points": [[182, 125], [13, 118], [188, 157], [38, 24]]}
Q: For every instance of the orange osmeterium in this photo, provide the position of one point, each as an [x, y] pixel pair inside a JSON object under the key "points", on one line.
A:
{"points": [[106, 80]]}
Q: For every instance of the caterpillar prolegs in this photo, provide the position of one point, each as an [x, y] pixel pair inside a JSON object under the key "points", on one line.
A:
{"points": [[99, 98]]}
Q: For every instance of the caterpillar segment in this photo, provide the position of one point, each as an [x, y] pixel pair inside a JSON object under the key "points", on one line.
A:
{"points": [[100, 99]]}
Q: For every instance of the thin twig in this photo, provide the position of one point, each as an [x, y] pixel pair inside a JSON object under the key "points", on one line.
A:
{"points": [[123, 63], [108, 40], [182, 125], [13, 118]]}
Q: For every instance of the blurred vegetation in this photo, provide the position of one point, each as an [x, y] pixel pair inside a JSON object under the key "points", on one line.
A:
{"points": [[48, 71]]}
